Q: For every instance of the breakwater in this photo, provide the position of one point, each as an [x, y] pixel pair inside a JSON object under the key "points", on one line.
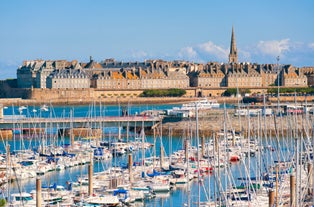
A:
{"points": [[213, 121]]}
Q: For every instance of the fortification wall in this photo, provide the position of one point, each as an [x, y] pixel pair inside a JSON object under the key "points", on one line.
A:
{"points": [[61, 94]]}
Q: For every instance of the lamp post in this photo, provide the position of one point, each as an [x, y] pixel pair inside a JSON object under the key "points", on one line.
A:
{"points": [[278, 76]]}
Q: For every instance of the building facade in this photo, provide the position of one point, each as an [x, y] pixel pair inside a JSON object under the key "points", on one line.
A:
{"points": [[158, 74], [26, 74], [68, 78]]}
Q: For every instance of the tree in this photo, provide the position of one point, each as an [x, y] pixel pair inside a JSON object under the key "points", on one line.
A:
{"points": [[230, 92], [173, 92], [2, 202]]}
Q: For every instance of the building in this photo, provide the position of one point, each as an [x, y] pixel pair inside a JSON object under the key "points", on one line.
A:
{"points": [[243, 75], [209, 76], [269, 74], [26, 74], [141, 75], [68, 79], [115, 79], [293, 77], [110, 74]]}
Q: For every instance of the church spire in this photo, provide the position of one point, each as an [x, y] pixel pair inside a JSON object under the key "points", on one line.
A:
{"points": [[233, 56]]}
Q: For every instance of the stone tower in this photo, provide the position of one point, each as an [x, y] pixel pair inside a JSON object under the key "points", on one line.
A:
{"points": [[233, 56]]}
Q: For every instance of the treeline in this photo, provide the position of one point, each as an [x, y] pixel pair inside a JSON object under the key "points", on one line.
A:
{"points": [[173, 92], [242, 91], [234, 91], [307, 90]]}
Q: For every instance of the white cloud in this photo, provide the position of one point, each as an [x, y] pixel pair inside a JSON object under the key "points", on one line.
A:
{"points": [[274, 47], [213, 50], [138, 55], [188, 52], [311, 45], [204, 52]]}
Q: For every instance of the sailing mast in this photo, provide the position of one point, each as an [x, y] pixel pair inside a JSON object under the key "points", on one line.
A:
{"points": [[198, 156]]}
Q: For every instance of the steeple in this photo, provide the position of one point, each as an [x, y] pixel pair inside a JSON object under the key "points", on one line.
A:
{"points": [[233, 56]]}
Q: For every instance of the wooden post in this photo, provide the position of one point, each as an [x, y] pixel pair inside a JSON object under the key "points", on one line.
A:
{"points": [[8, 156], [130, 165], [186, 150], [271, 198], [277, 183], [154, 152], [72, 137], [161, 156], [38, 192], [292, 190], [1, 111], [216, 143], [203, 146], [310, 178], [8, 163], [90, 176]]}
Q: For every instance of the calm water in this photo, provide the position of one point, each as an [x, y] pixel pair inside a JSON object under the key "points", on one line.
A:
{"points": [[175, 198]]}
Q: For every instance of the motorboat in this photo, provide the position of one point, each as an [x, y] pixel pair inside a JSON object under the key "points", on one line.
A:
{"points": [[201, 104]]}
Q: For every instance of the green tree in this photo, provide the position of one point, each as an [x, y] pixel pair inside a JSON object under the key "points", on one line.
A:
{"points": [[230, 92], [308, 90], [173, 92], [2, 202]]}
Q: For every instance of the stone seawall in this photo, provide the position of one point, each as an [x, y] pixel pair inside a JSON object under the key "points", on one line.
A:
{"points": [[215, 120]]}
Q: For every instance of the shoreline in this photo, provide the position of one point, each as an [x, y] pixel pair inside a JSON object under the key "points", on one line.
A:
{"points": [[215, 120], [145, 100], [115, 101], [209, 122]]}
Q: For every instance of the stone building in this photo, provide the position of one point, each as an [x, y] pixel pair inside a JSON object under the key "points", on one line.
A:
{"points": [[26, 74], [140, 75], [211, 76], [68, 78], [243, 75], [159, 74], [293, 77], [44, 71], [116, 79], [269, 74], [309, 72], [47, 68]]}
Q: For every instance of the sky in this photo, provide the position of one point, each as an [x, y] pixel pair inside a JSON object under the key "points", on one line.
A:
{"points": [[138, 30]]}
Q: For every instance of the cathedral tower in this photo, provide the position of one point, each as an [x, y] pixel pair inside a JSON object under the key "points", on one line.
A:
{"points": [[233, 56]]}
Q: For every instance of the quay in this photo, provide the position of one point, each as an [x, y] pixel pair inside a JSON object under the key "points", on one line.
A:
{"points": [[108, 121]]}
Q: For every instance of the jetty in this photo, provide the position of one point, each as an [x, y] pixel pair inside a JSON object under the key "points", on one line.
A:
{"points": [[122, 121]]}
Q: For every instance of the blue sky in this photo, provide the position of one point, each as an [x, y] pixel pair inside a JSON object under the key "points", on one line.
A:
{"points": [[198, 31]]}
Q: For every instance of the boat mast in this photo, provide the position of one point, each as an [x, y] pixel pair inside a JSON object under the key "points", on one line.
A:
{"points": [[198, 156]]}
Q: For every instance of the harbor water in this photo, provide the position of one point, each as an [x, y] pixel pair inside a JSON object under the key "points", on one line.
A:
{"points": [[197, 189]]}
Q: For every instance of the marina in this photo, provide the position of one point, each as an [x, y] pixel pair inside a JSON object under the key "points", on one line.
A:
{"points": [[156, 104], [127, 167]]}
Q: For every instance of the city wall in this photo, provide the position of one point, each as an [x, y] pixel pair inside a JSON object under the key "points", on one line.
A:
{"points": [[85, 96]]}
